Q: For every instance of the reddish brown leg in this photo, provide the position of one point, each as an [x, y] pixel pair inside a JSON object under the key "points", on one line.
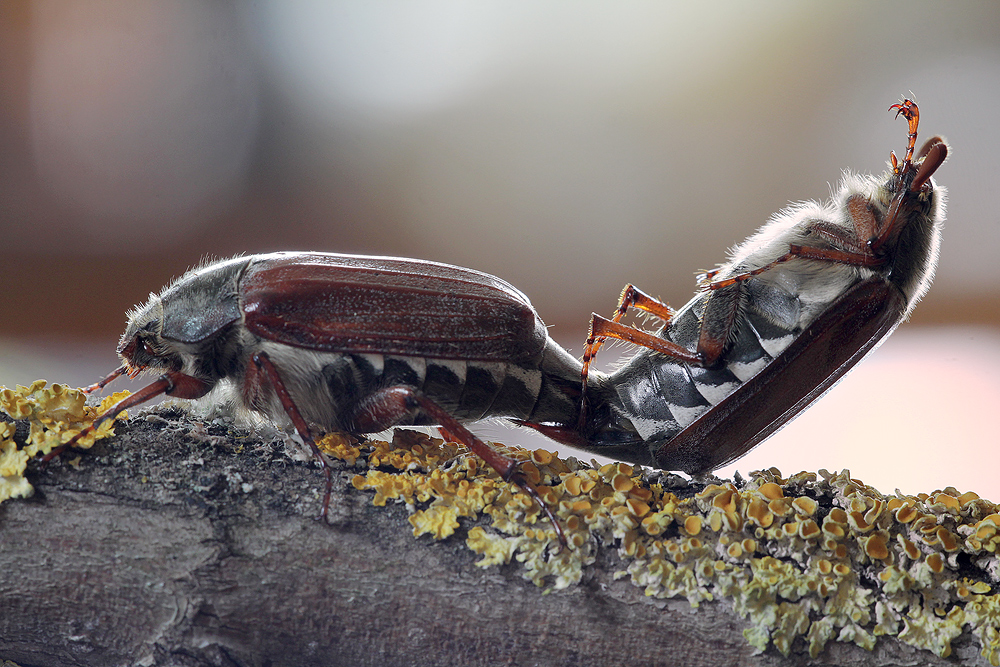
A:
{"points": [[865, 225], [505, 466], [717, 322], [601, 328], [707, 276], [933, 154], [803, 252], [171, 383], [388, 406], [446, 434], [267, 367], [856, 252], [909, 110], [605, 328]]}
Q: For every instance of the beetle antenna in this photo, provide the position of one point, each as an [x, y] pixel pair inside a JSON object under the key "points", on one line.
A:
{"points": [[97, 386]]}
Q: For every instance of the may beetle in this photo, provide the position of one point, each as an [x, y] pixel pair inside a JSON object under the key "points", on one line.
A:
{"points": [[352, 343], [797, 305]]}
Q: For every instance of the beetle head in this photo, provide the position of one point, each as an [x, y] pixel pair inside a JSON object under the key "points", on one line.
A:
{"points": [[915, 177], [908, 191], [178, 330], [142, 347]]}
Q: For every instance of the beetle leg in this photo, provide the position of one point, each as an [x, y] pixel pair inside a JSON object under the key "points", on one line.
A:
{"points": [[609, 329], [446, 434], [717, 323], [565, 434], [267, 367], [855, 250], [804, 252], [513, 475], [599, 331], [909, 110], [631, 297], [387, 406]]}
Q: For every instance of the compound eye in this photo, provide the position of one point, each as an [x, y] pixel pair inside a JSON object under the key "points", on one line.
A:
{"points": [[148, 349]]}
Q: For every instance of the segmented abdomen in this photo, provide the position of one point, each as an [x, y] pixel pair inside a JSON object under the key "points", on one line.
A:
{"points": [[468, 390], [661, 396]]}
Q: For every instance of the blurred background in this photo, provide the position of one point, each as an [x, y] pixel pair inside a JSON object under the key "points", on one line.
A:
{"points": [[566, 147]]}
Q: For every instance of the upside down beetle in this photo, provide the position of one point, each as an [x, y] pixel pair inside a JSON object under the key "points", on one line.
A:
{"points": [[797, 305]]}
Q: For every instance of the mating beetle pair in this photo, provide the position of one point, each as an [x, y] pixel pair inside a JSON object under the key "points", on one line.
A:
{"points": [[361, 344]]}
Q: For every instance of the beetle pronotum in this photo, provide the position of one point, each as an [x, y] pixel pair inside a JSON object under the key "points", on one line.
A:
{"points": [[361, 344]]}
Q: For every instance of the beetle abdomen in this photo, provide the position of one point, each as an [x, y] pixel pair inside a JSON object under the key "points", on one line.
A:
{"points": [[670, 395], [333, 389]]}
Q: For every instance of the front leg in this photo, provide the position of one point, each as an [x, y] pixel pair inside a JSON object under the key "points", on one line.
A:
{"points": [[849, 246], [267, 372]]}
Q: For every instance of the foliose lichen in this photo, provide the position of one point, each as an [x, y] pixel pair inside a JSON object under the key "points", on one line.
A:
{"points": [[54, 414], [815, 556]]}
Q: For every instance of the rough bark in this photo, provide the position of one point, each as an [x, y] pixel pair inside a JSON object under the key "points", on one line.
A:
{"points": [[180, 544]]}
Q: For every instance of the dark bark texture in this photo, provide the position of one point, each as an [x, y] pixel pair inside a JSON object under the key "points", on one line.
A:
{"points": [[177, 543]]}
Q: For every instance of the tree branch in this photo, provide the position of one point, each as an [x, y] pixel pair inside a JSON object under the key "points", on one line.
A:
{"points": [[177, 543]]}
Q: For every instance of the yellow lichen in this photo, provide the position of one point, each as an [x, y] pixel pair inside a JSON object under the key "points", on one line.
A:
{"points": [[771, 491], [793, 557], [759, 513], [54, 414], [692, 525], [875, 547], [805, 505], [339, 445]]}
